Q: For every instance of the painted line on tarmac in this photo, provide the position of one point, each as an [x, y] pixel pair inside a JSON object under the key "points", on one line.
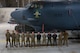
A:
{"points": [[2, 41]]}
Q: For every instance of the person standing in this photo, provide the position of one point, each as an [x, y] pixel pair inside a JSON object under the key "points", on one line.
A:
{"points": [[28, 39], [17, 39], [33, 39], [60, 39], [49, 39], [8, 38], [13, 38], [65, 39], [54, 38], [38, 38], [44, 38], [23, 39]]}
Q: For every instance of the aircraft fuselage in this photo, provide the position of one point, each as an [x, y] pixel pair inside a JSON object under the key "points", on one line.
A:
{"points": [[54, 15]]}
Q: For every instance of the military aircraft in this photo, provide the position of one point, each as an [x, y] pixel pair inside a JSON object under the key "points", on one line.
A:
{"points": [[47, 15]]}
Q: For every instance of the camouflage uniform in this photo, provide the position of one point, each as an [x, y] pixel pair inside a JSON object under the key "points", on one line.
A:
{"points": [[13, 38], [28, 39], [60, 39], [33, 39], [17, 39], [8, 38], [65, 39], [23, 39], [44, 39]]}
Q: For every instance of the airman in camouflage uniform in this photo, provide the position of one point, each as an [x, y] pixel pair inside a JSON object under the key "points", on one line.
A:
{"points": [[60, 39], [23, 39], [44, 38], [8, 38], [17, 39], [13, 38], [65, 39], [33, 39]]}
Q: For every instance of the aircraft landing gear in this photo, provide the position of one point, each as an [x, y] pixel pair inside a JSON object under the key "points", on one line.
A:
{"points": [[23, 28]]}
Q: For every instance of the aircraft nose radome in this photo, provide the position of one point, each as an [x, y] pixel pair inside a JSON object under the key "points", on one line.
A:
{"points": [[15, 14]]}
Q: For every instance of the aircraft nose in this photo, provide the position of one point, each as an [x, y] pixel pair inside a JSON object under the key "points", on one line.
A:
{"points": [[13, 14], [16, 14]]}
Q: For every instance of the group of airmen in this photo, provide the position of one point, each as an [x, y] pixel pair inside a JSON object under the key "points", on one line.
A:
{"points": [[31, 39]]}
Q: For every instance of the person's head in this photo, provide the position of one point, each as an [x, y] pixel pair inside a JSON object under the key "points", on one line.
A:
{"points": [[65, 31], [61, 32], [17, 32], [54, 32], [7, 30], [22, 32], [48, 32], [43, 32], [27, 32], [38, 32], [32, 32]]}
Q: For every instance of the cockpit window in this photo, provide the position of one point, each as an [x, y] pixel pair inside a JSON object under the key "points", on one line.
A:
{"points": [[32, 6], [36, 6], [41, 6], [28, 5]]}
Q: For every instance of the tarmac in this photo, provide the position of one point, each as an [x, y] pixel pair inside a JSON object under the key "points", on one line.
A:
{"points": [[73, 47]]}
